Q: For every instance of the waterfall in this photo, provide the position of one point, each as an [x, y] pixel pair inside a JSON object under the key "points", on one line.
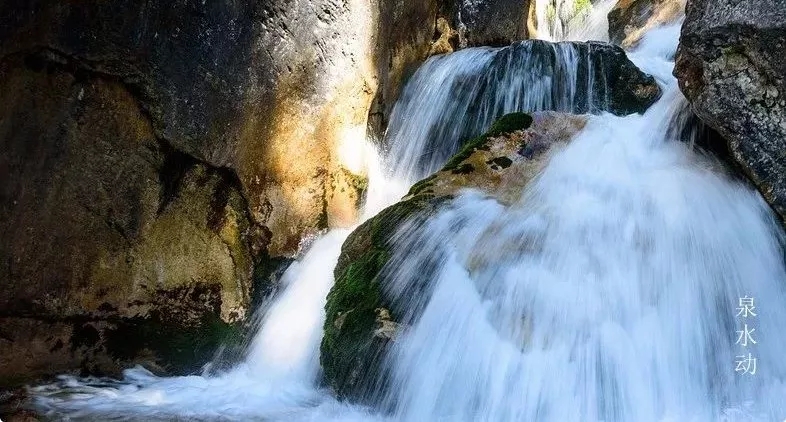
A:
{"points": [[607, 293], [456, 97]]}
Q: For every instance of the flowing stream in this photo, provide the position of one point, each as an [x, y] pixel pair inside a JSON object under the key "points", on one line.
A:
{"points": [[609, 292]]}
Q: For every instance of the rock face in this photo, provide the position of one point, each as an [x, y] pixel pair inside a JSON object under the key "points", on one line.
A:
{"points": [[629, 20], [107, 228], [360, 319], [405, 34], [730, 65], [240, 85], [152, 155], [490, 23]]}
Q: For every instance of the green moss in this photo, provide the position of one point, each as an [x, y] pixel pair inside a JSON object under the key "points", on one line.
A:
{"points": [[182, 332], [359, 183], [350, 352], [551, 12], [180, 350], [422, 186], [505, 124], [500, 162], [349, 349], [350, 321], [322, 220], [510, 123]]}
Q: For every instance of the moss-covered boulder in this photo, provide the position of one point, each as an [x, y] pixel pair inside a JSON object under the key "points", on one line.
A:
{"points": [[360, 320]]}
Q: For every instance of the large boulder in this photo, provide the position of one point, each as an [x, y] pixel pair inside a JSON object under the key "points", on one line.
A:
{"points": [[731, 66], [361, 320], [107, 228]]}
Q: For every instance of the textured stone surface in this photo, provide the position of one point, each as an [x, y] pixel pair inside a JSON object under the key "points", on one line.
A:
{"points": [[153, 154], [731, 66], [404, 36], [489, 22], [104, 224], [410, 31], [629, 20], [267, 89], [360, 321]]}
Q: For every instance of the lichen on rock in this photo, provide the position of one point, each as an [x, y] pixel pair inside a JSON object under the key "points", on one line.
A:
{"points": [[730, 65]]}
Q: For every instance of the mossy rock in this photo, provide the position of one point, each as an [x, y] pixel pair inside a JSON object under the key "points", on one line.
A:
{"points": [[350, 352], [506, 124], [173, 348], [361, 320]]}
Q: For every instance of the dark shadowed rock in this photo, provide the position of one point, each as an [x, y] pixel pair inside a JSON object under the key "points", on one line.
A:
{"points": [[607, 81], [490, 23], [105, 225], [731, 66], [405, 33]]}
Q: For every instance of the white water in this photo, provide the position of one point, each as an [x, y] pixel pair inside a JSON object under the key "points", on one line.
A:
{"points": [[607, 293], [456, 97], [558, 20]]}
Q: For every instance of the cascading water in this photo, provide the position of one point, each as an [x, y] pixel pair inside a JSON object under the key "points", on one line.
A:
{"points": [[453, 98], [607, 293]]}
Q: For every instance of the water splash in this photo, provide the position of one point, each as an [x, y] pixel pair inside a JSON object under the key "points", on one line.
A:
{"points": [[608, 293]]}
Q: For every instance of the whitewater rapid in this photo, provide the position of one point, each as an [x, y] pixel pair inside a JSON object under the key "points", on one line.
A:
{"points": [[607, 293]]}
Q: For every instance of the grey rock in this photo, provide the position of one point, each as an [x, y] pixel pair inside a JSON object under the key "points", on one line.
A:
{"points": [[731, 66]]}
